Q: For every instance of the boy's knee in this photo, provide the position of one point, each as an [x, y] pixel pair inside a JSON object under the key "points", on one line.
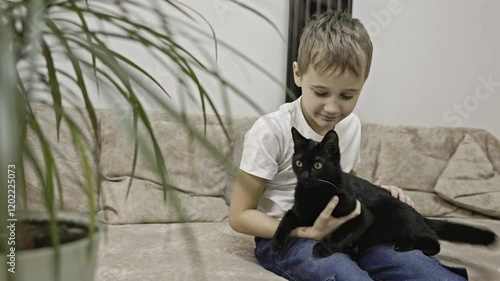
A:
{"points": [[388, 264]]}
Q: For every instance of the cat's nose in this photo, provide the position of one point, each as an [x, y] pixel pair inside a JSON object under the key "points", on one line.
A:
{"points": [[305, 175]]}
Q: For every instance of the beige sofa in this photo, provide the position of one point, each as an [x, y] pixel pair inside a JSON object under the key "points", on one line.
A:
{"points": [[451, 173]]}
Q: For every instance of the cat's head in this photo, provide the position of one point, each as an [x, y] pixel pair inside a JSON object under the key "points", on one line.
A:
{"points": [[316, 160]]}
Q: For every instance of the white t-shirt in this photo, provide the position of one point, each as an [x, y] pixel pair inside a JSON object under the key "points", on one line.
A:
{"points": [[268, 150]]}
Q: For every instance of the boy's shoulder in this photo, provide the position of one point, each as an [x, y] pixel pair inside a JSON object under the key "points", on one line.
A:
{"points": [[286, 110], [281, 119]]}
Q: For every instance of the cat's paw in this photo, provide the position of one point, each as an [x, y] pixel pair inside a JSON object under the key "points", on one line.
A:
{"points": [[279, 239], [321, 250], [345, 206], [403, 247], [277, 244], [429, 246], [352, 250]]}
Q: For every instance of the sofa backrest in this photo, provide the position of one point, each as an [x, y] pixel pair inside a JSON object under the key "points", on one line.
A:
{"points": [[199, 173], [448, 172], [412, 158], [66, 158]]}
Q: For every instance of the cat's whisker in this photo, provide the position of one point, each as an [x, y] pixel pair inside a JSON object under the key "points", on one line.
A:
{"points": [[329, 184]]}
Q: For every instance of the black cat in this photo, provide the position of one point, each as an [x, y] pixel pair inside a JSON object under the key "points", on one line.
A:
{"points": [[383, 219]]}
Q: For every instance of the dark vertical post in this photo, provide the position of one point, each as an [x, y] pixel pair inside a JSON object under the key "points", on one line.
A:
{"points": [[296, 13], [308, 10]]}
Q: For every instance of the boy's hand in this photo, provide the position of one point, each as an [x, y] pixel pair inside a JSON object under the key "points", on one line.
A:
{"points": [[397, 193], [326, 223]]}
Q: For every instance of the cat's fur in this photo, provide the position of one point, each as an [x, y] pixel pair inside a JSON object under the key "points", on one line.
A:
{"points": [[383, 219]]}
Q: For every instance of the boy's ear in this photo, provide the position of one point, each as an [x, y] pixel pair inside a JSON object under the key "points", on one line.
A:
{"points": [[298, 140], [296, 74], [331, 142]]}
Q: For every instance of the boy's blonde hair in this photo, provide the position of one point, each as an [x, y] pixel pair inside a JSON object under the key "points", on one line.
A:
{"points": [[332, 40]]}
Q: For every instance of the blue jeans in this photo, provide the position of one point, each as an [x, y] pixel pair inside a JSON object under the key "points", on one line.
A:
{"points": [[381, 262]]}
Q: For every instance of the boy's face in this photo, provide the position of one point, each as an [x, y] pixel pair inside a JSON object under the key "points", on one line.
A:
{"points": [[327, 98]]}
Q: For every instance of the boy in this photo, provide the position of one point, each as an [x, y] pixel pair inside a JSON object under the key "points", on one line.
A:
{"points": [[333, 63]]}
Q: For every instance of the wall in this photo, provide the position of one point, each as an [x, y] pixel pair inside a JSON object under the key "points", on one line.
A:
{"points": [[436, 63], [242, 30]]}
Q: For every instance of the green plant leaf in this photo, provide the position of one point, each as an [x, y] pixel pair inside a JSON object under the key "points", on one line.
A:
{"points": [[89, 184], [214, 36], [137, 107], [136, 149], [47, 184], [78, 72], [54, 85], [87, 34]]}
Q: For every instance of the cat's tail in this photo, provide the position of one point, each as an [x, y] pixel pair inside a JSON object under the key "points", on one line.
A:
{"points": [[456, 232]]}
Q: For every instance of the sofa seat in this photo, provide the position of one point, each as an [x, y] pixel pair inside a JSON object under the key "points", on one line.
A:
{"points": [[214, 252], [178, 251]]}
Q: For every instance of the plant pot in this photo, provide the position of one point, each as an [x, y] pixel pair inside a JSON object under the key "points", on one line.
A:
{"points": [[77, 264]]}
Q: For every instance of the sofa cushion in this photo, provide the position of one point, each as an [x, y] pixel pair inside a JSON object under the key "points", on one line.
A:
{"points": [[408, 166], [387, 145], [145, 202], [67, 159], [432, 205], [470, 180], [193, 170]]}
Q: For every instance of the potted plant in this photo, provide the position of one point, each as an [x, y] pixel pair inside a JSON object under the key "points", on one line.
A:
{"points": [[36, 39]]}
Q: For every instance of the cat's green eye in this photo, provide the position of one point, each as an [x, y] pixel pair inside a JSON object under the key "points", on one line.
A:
{"points": [[298, 163], [318, 165]]}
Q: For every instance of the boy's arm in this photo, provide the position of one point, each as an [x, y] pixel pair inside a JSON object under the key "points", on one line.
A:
{"points": [[243, 214], [245, 218]]}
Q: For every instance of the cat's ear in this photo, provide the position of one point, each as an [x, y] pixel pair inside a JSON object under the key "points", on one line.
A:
{"points": [[331, 142], [298, 140]]}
